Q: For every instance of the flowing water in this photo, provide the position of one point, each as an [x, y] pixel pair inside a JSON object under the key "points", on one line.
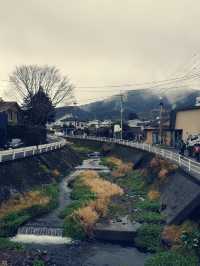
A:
{"points": [[46, 234]]}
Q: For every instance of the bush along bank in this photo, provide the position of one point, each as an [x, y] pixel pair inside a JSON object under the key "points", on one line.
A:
{"points": [[23, 207], [36, 191], [171, 245], [91, 195]]}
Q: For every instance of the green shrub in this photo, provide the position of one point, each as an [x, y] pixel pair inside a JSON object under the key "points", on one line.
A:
{"points": [[68, 210], [191, 241], [106, 162], [149, 205], [134, 183], [149, 237], [6, 244], [11, 222], [73, 228], [44, 168], [38, 263], [51, 191], [116, 210], [149, 217], [172, 258], [81, 191]]}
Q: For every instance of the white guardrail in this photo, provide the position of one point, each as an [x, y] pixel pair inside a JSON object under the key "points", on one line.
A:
{"points": [[185, 163], [12, 154]]}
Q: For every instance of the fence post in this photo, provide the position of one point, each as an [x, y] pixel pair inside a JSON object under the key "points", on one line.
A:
{"points": [[24, 153], [189, 165], [179, 159], [0, 158], [13, 155]]}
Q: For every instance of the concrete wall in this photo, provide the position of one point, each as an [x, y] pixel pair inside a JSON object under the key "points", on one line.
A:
{"points": [[21, 175], [188, 121]]}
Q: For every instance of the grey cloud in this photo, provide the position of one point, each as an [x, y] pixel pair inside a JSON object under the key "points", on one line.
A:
{"points": [[99, 41]]}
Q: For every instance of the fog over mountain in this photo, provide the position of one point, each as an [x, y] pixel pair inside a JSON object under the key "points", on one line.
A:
{"points": [[143, 102]]}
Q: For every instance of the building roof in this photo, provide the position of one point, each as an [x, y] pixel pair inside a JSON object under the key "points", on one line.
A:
{"points": [[187, 109], [5, 106]]}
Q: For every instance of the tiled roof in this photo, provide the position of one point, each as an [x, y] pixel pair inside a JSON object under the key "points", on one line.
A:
{"points": [[4, 106]]}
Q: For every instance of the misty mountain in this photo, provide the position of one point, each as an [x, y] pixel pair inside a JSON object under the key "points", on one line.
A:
{"points": [[73, 112], [144, 102]]}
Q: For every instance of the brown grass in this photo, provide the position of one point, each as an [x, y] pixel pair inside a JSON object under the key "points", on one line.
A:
{"points": [[153, 195], [172, 234], [55, 173], [114, 161], [122, 170], [102, 188], [163, 168], [88, 217], [23, 202], [100, 206], [104, 191], [119, 167]]}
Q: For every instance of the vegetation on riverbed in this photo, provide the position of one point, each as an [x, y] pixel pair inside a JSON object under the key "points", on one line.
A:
{"points": [[91, 195], [6, 244], [172, 258], [23, 207], [141, 202]]}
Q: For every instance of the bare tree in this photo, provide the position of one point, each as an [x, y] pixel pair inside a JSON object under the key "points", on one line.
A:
{"points": [[27, 79]]}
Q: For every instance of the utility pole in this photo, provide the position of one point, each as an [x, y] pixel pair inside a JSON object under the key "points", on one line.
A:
{"points": [[121, 114], [161, 121]]}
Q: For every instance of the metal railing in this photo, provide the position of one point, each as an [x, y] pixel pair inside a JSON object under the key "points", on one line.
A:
{"points": [[13, 154], [185, 163]]}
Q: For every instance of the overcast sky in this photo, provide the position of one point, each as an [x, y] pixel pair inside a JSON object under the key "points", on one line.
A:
{"points": [[100, 42]]}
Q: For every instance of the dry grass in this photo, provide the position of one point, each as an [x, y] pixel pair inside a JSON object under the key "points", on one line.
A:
{"points": [[153, 195], [89, 174], [55, 173], [172, 234], [102, 188], [119, 167], [100, 206], [23, 202], [104, 191], [88, 217], [122, 170], [163, 168], [113, 161]]}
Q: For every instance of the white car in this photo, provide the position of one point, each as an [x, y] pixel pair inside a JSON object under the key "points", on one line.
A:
{"points": [[15, 143], [59, 134]]}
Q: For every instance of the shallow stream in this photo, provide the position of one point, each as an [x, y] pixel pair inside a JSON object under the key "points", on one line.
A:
{"points": [[90, 253]]}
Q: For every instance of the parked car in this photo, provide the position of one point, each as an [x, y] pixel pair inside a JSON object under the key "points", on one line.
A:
{"points": [[15, 143], [59, 134]]}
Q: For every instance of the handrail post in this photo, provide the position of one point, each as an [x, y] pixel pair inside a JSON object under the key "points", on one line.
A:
{"points": [[13, 155], [179, 159]]}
